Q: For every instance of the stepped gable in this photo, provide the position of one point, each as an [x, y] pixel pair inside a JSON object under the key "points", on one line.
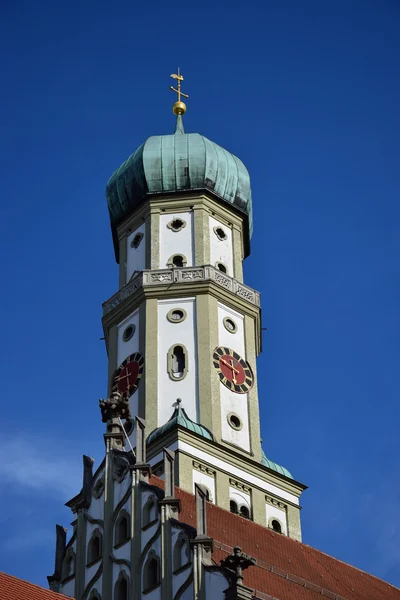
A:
{"points": [[285, 568], [12, 588]]}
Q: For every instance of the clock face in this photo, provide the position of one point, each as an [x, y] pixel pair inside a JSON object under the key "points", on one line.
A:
{"points": [[233, 371], [127, 376]]}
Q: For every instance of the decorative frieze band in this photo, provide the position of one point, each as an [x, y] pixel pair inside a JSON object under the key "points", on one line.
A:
{"points": [[275, 502], [203, 468], [239, 486], [187, 275]]}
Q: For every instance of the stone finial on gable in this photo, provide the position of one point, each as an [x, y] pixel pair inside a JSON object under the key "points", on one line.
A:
{"points": [[235, 564]]}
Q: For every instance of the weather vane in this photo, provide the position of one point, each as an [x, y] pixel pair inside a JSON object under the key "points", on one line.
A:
{"points": [[179, 108]]}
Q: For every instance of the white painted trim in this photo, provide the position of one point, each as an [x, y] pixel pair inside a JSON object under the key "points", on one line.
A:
{"points": [[229, 468]]}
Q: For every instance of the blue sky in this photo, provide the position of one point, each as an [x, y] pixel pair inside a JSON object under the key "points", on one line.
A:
{"points": [[307, 94]]}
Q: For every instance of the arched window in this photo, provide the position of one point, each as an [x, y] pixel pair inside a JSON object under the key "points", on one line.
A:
{"points": [[68, 565], [221, 267], [151, 572], [150, 512], [276, 526], [177, 362], [244, 511], [94, 595], [121, 589], [177, 261], [95, 547], [181, 552], [233, 507], [122, 528]]}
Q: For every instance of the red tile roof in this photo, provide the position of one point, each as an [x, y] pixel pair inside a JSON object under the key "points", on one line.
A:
{"points": [[285, 569], [12, 588]]}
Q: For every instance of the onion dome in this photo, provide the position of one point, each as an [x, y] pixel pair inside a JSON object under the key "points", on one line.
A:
{"points": [[180, 418], [274, 466], [182, 162]]}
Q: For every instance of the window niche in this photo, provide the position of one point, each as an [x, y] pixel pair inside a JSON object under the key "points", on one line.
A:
{"points": [[177, 362], [122, 528], [181, 553], [94, 595], [151, 572], [150, 513], [95, 547], [68, 565], [121, 588]]}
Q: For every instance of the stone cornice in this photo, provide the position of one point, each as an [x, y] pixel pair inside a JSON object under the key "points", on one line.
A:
{"points": [[184, 276]]}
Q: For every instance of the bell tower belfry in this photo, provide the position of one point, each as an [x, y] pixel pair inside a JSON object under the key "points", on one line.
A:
{"points": [[183, 331]]}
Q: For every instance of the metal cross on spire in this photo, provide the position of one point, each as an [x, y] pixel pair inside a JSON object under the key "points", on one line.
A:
{"points": [[179, 108]]}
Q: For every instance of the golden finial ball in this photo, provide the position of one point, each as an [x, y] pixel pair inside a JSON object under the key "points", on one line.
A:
{"points": [[179, 108]]}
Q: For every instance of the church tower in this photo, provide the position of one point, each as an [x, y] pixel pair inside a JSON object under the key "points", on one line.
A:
{"points": [[182, 332]]}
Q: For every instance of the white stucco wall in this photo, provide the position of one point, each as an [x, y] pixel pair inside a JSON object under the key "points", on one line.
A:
{"points": [[221, 250], [232, 402], [124, 349], [170, 334], [136, 257], [274, 512], [176, 242], [225, 337], [208, 480]]}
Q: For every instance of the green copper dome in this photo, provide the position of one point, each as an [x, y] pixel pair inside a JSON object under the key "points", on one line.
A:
{"points": [[179, 417], [274, 466], [178, 163]]}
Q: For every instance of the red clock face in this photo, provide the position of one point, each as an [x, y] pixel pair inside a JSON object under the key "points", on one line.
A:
{"points": [[127, 376], [233, 371]]}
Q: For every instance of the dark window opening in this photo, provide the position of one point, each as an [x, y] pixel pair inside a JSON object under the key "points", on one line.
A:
{"points": [[221, 267], [177, 261], [122, 530], [121, 589], [244, 511], [233, 507], [276, 526], [178, 361], [177, 224], [94, 548], [152, 574]]}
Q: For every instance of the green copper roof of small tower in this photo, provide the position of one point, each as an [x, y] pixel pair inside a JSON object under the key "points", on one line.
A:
{"points": [[274, 466], [177, 163], [179, 417]]}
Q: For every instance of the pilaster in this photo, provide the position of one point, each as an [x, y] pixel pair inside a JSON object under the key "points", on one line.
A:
{"points": [[207, 340], [150, 398], [254, 413], [201, 236], [237, 252], [80, 565], [154, 238]]}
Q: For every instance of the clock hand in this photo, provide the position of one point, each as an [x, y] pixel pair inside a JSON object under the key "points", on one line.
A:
{"points": [[231, 366], [233, 372]]}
